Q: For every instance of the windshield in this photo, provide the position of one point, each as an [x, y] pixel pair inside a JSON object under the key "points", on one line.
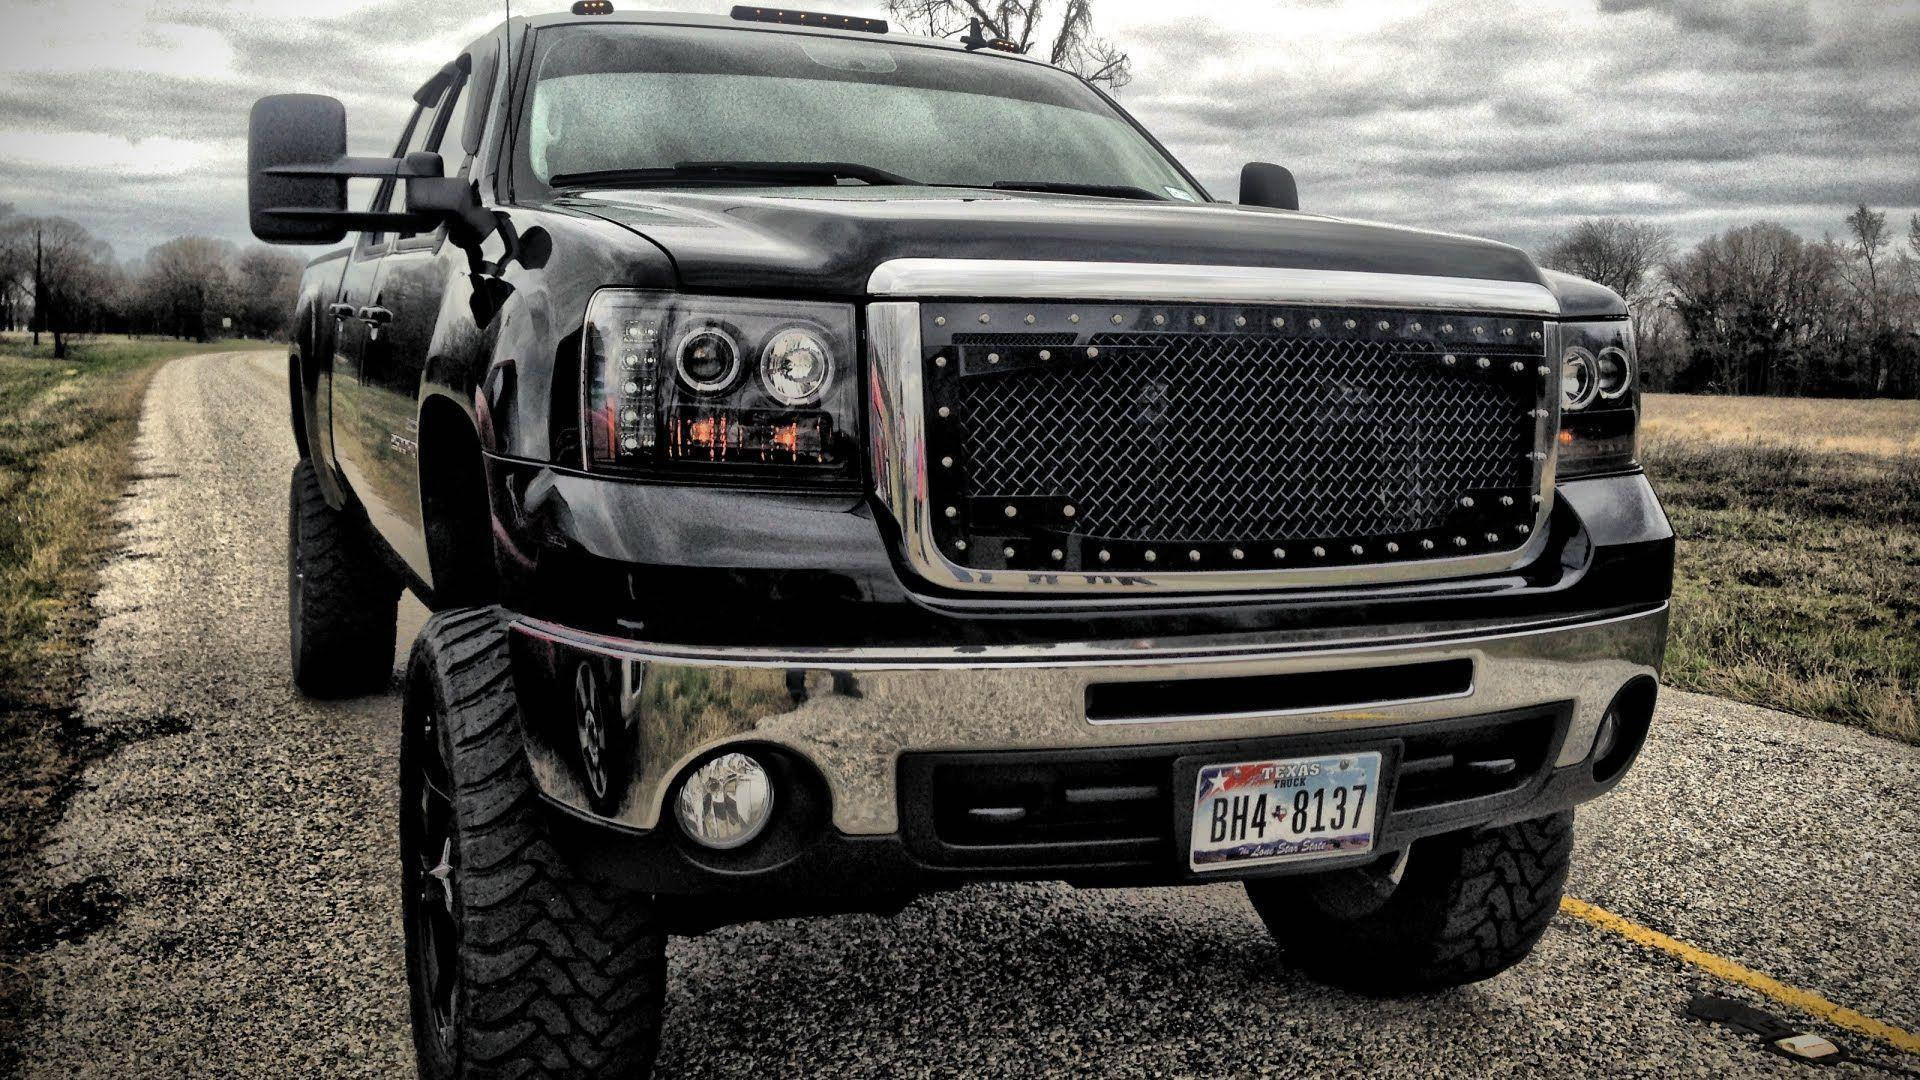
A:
{"points": [[652, 97]]}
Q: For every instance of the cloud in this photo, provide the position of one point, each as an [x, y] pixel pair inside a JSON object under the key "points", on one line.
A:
{"points": [[1485, 116]]}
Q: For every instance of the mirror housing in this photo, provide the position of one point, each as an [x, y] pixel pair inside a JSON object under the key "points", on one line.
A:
{"points": [[1263, 183], [297, 172]]}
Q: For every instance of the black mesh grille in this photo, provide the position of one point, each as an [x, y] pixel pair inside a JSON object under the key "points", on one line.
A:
{"points": [[1182, 438], [1336, 439]]}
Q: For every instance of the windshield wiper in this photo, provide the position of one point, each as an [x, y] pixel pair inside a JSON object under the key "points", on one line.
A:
{"points": [[733, 172], [1065, 187]]}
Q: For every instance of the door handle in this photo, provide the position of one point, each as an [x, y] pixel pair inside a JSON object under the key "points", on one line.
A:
{"points": [[376, 316], [340, 311]]}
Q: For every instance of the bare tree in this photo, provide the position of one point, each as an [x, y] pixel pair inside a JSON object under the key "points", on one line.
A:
{"points": [[1625, 256], [1868, 231], [185, 280], [61, 264], [1024, 23], [266, 284], [1760, 309]]}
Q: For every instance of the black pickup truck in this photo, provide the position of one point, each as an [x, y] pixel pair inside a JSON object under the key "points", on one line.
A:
{"points": [[845, 466]]}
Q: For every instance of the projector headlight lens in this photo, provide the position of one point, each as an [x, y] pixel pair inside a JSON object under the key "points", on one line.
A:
{"points": [[726, 802], [1614, 372], [708, 359], [796, 366], [1579, 378]]}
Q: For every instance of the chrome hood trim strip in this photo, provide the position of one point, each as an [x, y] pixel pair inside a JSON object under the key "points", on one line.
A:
{"points": [[1014, 279]]}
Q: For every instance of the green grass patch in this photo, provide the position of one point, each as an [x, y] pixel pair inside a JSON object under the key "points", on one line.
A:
{"points": [[1798, 576]]}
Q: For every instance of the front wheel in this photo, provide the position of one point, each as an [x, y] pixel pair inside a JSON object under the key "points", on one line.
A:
{"points": [[1462, 907], [515, 965], [342, 601]]}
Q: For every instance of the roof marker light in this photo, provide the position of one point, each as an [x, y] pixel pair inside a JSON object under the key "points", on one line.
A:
{"points": [[746, 13], [593, 7]]}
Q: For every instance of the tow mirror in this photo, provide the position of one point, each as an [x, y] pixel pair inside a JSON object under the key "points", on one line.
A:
{"points": [[1263, 183], [297, 172]]}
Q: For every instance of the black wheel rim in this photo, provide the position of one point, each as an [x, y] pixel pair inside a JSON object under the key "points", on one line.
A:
{"points": [[432, 880], [590, 729]]}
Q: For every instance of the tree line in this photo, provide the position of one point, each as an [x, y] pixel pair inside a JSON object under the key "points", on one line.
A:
{"points": [[1759, 309], [57, 279]]}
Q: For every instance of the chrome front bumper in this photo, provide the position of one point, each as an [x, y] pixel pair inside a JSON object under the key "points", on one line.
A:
{"points": [[851, 713]]}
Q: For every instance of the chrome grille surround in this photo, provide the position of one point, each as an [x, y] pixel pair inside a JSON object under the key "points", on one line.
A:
{"points": [[1307, 442]]}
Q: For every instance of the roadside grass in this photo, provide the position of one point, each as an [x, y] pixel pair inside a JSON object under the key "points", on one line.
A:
{"points": [[65, 430], [1798, 576]]}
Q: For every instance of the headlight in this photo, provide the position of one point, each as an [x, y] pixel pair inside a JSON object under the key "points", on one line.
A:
{"points": [[1599, 406], [723, 385]]}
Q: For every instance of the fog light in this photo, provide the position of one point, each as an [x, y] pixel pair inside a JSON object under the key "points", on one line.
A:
{"points": [[1606, 735], [726, 802]]}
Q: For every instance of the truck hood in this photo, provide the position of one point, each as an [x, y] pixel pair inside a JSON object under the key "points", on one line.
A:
{"points": [[827, 240]]}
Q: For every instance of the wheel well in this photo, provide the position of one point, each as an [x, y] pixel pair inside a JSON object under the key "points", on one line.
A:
{"points": [[297, 398], [454, 507]]}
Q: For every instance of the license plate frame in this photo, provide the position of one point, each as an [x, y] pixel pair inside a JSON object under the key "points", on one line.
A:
{"points": [[1374, 765]]}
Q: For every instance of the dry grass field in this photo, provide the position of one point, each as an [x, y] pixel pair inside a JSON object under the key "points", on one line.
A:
{"points": [[1798, 584]]}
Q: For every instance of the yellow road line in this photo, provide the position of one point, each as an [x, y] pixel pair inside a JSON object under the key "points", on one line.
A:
{"points": [[1804, 1000]]}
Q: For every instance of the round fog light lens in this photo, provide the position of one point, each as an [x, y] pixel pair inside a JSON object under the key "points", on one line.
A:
{"points": [[795, 366], [726, 802]]}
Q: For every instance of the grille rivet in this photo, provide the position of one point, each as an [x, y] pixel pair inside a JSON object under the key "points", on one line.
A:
{"points": [[1544, 370], [1199, 320], [1238, 554], [1279, 553], [1523, 529], [1479, 330], [1046, 354], [1068, 510], [993, 358], [939, 361], [985, 318], [1159, 320], [1239, 320], [939, 320], [1538, 455], [1384, 325], [1540, 414], [1105, 555], [1414, 327], [1507, 331], [953, 511], [1011, 510], [1518, 367], [946, 462], [1193, 556], [959, 545], [1007, 551], [1319, 552], [1357, 550], [1493, 538], [1393, 548], [1314, 323], [1117, 320], [1446, 328], [1030, 320], [1350, 324], [1279, 324], [1506, 500], [1535, 335], [1426, 545], [1058, 554], [1449, 359], [1151, 557], [1466, 501], [945, 412], [1459, 541], [1092, 352], [1484, 363], [1536, 500], [1074, 318]]}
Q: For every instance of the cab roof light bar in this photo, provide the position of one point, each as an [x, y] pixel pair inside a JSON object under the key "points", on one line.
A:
{"points": [[593, 7], [809, 18]]}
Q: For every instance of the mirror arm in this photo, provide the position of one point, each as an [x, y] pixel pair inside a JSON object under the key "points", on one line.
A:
{"points": [[406, 168]]}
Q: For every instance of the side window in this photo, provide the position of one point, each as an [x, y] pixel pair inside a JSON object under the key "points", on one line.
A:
{"points": [[452, 123], [411, 138]]}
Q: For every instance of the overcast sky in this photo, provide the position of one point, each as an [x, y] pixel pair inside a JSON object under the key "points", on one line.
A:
{"points": [[1503, 118]]}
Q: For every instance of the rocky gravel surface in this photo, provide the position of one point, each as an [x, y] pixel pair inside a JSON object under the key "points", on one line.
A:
{"points": [[246, 839]]}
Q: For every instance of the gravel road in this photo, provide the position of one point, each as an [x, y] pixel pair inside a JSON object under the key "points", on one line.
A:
{"points": [[251, 837]]}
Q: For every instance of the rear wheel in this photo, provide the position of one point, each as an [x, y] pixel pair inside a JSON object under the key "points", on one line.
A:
{"points": [[515, 965], [1462, 907], [342, 601]]}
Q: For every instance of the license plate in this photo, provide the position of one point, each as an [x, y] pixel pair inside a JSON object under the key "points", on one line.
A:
{"points": [[1250, 813]]}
